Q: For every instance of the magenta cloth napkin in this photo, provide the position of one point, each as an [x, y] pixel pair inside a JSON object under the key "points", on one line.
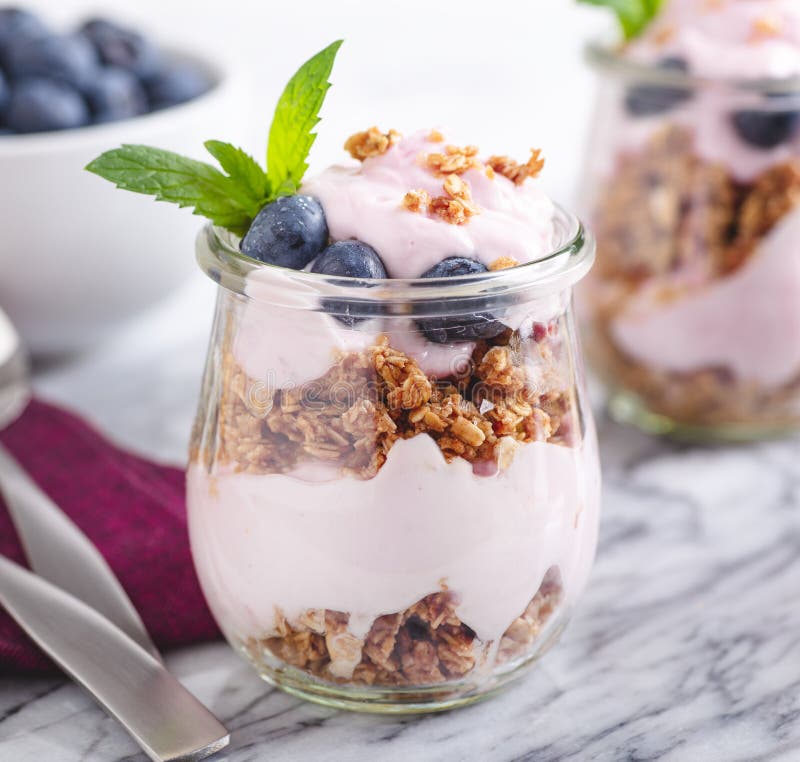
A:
{"points": [[131, 509]]}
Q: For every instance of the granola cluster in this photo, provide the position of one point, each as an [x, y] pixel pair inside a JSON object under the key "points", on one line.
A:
{"points": [[371, 142], [351, 416], [454, 160], [668, 211], [503, 263], [424, 645], [518, 173], [417, 201], [456, 205], [767, 27]]}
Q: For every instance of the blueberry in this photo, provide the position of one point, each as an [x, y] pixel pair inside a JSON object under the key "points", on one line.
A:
{"points": [[766, 129], [115, 94], [39, 105], [453, 266], [71, 59], [4, 94], [176, 83], [648, 99], [16, 24], [123, 47], [458, 328], [350, 259], [289, 232]]}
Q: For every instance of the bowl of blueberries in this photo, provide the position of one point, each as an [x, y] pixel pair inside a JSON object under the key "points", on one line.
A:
{"points": [[74, 261]]}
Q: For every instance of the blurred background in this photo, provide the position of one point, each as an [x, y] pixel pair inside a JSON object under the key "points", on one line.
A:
{"points": [[507, 75]]}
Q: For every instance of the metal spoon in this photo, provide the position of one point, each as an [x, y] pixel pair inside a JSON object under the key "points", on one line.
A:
{"points": [[82, 617], [14, 373]]}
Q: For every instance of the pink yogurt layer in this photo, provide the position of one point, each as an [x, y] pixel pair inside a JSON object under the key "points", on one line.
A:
{"points": [[365, 202], [747, 323], [374, 547]]}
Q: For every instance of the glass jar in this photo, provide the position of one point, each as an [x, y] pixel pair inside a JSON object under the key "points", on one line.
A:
{"points": [[692, 313], [383, 521]]}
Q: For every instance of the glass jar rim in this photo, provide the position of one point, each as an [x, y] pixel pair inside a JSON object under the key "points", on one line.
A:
{"points": [[608, 58], [219, 257]]}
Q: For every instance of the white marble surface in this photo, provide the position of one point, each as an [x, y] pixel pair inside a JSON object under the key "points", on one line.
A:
{"points": [[686, 645]]}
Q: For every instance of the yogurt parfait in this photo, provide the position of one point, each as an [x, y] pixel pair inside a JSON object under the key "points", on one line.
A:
{"points": [[393, 486], [694, 307]]}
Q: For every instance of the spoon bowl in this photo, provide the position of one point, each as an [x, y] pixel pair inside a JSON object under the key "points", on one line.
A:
{"points": [[14, 373]]}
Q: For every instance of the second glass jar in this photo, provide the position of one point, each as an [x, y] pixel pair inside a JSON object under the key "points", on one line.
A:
{"points": [[693, 309]]}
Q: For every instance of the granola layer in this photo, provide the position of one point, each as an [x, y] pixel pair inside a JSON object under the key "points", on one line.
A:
{"points": [[368, 400], [666, 210], [424, 645]]}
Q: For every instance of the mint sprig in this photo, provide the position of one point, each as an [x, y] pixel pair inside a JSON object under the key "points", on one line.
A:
{"points": [[244, 172], [186, 182], [297, 113], [633, 15], [233, 197]]}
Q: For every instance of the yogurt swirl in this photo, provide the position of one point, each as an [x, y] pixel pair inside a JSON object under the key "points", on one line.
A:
{"points": [[365, 202]]}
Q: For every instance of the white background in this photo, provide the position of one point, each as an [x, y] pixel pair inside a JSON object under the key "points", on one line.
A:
{"points": [[506, 75]]}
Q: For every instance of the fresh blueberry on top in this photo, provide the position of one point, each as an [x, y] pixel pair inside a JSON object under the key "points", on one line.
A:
{"points": [[115, 94], [70, 59], [452, 329], [17, 24], [766, 128], [648, 99], [350, 259], [39, 105], [123, 47], [289, 232], [176, 83], [453, 266]]}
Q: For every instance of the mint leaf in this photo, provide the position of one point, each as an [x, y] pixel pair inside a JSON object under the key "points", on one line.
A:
{"points": [[234, 199], [296, 115], [633, 15], [653, 7], [246, 175], [170, 177]]}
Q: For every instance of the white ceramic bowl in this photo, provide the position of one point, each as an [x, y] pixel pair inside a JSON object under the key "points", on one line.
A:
{"points": [[77, 255]]}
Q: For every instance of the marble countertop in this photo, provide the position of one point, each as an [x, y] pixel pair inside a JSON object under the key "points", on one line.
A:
{"points": [[686, 645]]}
